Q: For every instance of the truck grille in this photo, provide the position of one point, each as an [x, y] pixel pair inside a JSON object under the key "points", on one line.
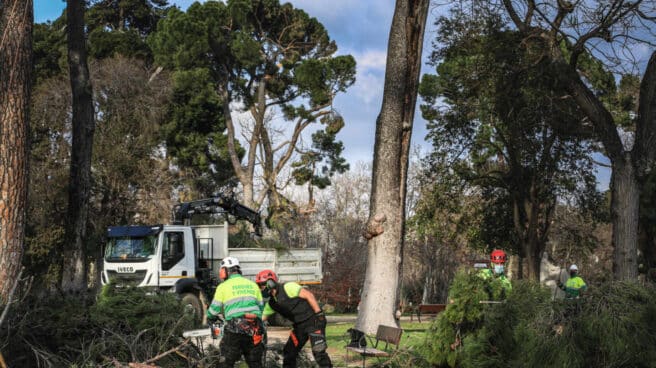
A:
{"points": [[127, 279]]}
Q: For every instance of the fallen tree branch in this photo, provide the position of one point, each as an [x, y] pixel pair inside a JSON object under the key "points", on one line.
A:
{"points": [[160, 356], [11, 296]]}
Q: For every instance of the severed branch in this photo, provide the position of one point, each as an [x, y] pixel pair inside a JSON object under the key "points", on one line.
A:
{"points": [[173, 350], [11, 296]]}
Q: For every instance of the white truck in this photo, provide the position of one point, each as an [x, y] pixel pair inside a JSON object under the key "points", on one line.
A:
{"points": [[185, 259]]}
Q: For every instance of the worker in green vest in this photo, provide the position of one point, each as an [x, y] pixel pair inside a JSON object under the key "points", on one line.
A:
{"points": [[574, 287], [496, 273], [240, 302]]}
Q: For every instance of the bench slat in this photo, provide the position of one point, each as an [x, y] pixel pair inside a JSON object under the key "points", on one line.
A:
{"points": [[384, 334], [389, 334], [368, 351]]}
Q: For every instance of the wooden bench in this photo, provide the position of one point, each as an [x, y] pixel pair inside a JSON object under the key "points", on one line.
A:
{"points": [[428, 309], [388, 335]]}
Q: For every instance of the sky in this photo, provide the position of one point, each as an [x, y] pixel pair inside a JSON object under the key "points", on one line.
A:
{"points": [[360, 28]]}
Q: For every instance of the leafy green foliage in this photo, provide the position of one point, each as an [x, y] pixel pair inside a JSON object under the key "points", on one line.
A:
{"points": [[114, 27], [610, 327], [104, 44], [194, 129], [119, 15], [450, 339], [121, 26], [126, 325], [496, 117], [133, 310], [49, 50], [317, 165]]}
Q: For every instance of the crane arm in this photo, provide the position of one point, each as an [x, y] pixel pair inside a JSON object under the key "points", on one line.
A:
{"points": [[217, 204]]}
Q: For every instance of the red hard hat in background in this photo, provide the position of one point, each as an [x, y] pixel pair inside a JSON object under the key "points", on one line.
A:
{"points": [[498, 256]]}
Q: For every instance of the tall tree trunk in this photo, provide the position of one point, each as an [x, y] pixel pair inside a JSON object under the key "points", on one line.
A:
{"points": [[533, 258], [625, 199], [74, 271], [16, 19], [625, 192], [393, 128]]}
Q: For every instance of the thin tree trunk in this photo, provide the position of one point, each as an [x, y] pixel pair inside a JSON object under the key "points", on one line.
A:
{"points": [[16, 19], [393, 127], [244, 174], [74, 271]]}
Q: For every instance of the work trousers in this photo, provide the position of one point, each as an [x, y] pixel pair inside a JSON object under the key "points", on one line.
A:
{"points": [[234, 345], [297, 339]]}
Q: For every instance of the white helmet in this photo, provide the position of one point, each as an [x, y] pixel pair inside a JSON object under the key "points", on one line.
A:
{"points": [[229, 262], [573, 268]]}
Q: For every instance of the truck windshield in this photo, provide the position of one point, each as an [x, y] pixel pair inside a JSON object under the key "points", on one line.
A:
{"points": [[133, 249]]}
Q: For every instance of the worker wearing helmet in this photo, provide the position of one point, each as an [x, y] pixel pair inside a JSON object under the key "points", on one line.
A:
{"points": [[298, 305], [239, 300], [497, 272], [575, 285]]}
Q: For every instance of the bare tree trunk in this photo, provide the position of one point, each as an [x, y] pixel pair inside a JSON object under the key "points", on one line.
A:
{"points": [[625, 200], [393, 128], [16, 19], [245, 173], [533, 252], [74, 271]]}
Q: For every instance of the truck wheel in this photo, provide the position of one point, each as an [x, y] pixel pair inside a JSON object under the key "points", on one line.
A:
{"points": [[191, 305]]}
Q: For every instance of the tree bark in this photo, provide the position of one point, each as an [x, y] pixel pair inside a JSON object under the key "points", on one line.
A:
{"points": [[393, 128], [16, 20], [75, 265], [625, 200]]}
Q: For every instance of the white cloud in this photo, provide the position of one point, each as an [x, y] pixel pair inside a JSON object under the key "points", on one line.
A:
{"points": [[371, 59], [368, 87]]}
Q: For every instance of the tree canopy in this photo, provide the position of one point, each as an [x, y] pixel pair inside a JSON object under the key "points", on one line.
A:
{"points": [[257, 57], [494, 116]]}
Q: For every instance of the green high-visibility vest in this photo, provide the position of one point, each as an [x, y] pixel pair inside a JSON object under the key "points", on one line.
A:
{"points": [[574, 286], [235, 297]]}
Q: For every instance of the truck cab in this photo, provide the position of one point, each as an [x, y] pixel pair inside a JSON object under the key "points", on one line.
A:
{"points": [[158, 256]]}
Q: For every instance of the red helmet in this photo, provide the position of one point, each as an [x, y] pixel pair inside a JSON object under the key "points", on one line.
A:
{"points": [[498, 256], [265, 275]]}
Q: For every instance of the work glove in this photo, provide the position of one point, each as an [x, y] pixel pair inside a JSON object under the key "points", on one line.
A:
{"points": [[320, 320]]}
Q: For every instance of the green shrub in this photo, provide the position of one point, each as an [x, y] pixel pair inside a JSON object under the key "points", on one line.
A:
{"points": [[136, 324], [458, 332], [122, 325], [612, 326]]}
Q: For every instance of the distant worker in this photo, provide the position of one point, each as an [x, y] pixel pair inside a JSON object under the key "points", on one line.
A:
{"points": [[574, 286], [496, 272], [298, 305], [239, 300]]}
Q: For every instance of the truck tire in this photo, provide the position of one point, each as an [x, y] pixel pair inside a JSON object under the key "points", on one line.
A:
{"points": [[191, 304]]}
